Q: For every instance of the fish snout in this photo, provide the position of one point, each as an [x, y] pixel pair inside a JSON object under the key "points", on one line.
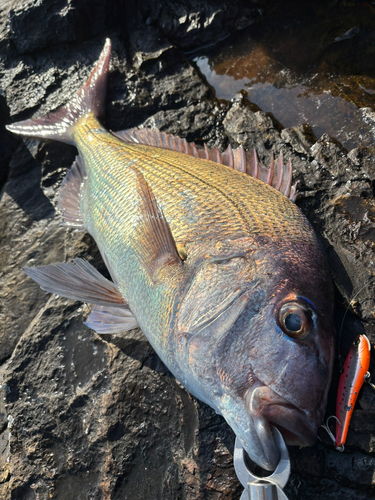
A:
{"points": [[297, 427]]}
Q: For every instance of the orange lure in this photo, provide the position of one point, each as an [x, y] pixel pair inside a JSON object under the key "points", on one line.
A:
{"points": [[354, 373]]}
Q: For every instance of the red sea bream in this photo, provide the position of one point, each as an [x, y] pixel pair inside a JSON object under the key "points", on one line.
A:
{"points": [[222, 271]]}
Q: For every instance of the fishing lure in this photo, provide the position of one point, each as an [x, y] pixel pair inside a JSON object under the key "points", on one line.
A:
{"points": [[355, 373]]}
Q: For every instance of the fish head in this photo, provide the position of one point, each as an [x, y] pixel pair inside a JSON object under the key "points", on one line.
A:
{"points": [[267, 358]]}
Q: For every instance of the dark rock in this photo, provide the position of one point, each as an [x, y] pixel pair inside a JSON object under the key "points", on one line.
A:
{"points": [[251, 129], [37, 24], [94, 394], [160, 80], [301, 138], [191, 24]]}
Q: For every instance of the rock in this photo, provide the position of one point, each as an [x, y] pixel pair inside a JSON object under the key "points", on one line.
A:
{"points": [[192, 24], [251, 129], [90, 392], [301, 138], [87, 416], [37, 24], [185, 24]]}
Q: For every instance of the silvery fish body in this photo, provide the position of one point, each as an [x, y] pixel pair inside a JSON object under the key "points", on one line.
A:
{"points": [[221, 271]]}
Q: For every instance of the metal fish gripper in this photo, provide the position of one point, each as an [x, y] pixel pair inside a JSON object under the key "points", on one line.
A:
{"points": [[263, 488]]}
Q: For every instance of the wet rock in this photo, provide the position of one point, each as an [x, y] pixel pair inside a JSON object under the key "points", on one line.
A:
{"points": [[301, 138], [46, 81], [90, 417], [251, 129], [369, 117], [311, 489], [202, 122], [361, 433]]}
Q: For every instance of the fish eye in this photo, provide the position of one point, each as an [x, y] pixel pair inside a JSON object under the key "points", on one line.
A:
{"points": [[295, 320]]}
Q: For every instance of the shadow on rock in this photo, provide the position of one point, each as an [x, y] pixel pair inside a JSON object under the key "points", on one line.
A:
{"points": [[24, 185]]}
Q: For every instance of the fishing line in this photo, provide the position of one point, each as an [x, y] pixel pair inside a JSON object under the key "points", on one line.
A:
{"points": [[344, 317]]}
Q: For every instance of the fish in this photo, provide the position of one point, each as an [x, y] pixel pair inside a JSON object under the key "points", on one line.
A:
{"points": [[355, 372], [209, 256]]}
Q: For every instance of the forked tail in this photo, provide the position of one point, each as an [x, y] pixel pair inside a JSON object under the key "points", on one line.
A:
{"points": [[58, 125]]}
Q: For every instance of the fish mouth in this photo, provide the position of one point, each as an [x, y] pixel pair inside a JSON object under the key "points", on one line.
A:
{"points": [[266, 407]]}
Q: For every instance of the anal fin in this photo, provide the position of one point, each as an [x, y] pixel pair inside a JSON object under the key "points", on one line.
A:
{"points": [[78, 281], [156, 247], [69, 199], [106, 319]]}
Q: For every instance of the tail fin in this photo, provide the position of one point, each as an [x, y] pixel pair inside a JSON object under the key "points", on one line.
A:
{"points": [[58, 124]]}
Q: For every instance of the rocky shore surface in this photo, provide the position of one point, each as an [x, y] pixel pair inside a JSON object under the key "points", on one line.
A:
{"points": [[84, 416]]}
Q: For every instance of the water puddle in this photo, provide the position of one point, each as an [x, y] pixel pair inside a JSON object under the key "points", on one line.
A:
{"points": [[302, 69]]}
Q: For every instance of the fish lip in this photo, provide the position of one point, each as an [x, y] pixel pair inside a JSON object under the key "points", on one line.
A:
{"points": [[269, 457], [296, 426]]}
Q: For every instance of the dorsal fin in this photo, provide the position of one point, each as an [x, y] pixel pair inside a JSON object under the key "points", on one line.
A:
{"points": [[276, 175]]}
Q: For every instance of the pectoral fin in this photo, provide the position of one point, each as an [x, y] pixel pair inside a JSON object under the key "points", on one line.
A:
{"points": [[226, 315], [156, 246], [204, 334], [209, 313], [79, 281]]}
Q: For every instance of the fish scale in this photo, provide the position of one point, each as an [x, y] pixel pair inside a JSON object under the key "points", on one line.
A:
{"points": [[246, 204]]}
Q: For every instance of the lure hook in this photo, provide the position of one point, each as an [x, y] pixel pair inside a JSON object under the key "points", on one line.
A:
{"points": [[367, 379], [330, 433]]}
